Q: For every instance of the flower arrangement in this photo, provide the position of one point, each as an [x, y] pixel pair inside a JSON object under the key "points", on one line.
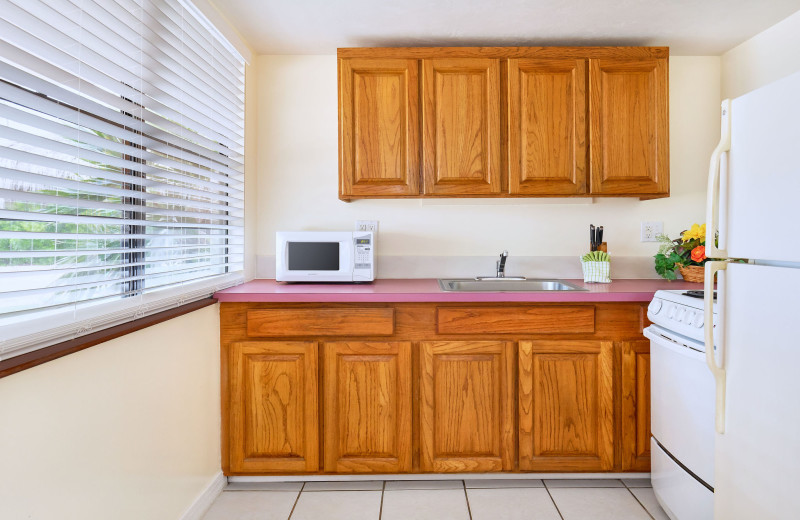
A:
{"points": [[687, 250]]}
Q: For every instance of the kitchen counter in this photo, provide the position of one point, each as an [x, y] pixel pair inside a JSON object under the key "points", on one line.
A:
{"points": [[427, 290]]}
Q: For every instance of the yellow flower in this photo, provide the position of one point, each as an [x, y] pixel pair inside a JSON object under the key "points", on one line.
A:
{"points": [[697, 231]]}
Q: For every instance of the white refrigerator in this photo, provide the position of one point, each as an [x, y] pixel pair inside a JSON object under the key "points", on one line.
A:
{"points": [[754, 201]]}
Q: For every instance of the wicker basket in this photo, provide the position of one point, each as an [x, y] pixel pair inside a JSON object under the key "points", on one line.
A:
{"points": [[693, 273]]}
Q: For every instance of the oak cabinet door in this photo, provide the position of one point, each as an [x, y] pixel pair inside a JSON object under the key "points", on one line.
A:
{"points": [[367, 407], [547, 126], [629, 126], [461, 126], [566, 405], [378, 127], [274, 423], [635, 406], [466, 406]]}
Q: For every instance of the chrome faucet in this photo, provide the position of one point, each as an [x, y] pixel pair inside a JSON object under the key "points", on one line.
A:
{"points": [[501, 265], [501, 271]]}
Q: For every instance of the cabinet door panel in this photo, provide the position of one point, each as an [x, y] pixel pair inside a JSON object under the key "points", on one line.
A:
{"points": [[466, 406], [547, 126], [461, 126], [566, 405], [379, 129], [367, 407], [629, 128], [274, 423], [636, 406]]}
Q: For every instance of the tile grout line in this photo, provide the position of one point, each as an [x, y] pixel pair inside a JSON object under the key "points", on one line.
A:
{"points": [[553, 500], [637, 500], [296, 500], [383, 492], [466, 496]]}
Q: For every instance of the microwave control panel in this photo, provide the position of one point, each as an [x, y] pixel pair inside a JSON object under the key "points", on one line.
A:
{"points": [[364, 262]]}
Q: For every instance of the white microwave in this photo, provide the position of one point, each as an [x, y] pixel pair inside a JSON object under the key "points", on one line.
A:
{"points": [[325, 256]]}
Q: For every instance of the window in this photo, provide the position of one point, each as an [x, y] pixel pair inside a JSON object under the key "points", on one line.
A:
{"points": [[121, 164]]}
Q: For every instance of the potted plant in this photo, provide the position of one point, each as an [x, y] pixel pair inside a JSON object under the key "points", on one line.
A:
{"points": [[686, 254]]}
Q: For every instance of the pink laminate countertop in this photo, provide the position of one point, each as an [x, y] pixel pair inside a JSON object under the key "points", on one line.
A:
{"points": [[427, 290]]}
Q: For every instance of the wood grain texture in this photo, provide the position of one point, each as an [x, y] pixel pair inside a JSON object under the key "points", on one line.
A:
{"points": [[635, 446], [421, 53], [566, 405], [547, 131], [515, 320], [378, 127], [274, 425], [629, 130], [466, 406], [461, 126], [414, 323], [320, 322], [367, 425]]}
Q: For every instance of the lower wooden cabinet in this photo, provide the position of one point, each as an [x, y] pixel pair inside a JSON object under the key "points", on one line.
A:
{"points": [[466, 406], [274, 421], [635, 406], [367, 403], [434, 387], [566, 405]]}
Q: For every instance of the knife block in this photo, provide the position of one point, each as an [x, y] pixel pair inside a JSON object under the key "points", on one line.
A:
{"points": [[603, 247]]}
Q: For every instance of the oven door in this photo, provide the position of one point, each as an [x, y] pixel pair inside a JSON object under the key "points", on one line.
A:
{"points": [[314, 257], [682, 401]]}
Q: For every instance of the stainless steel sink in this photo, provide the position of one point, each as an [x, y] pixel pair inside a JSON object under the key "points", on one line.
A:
{"points": [[504, 285]]}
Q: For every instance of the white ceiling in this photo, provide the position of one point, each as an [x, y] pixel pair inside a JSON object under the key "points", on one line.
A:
{"points": [[688, 27]]}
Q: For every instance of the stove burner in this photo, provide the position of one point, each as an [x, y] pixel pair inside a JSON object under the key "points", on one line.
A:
{"points": [[698, 294]]}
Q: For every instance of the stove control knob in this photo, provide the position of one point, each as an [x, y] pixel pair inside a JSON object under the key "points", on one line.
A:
{"points": [[655, 306], [671, 311], [698, 320], [681, 314], [689, 317]]}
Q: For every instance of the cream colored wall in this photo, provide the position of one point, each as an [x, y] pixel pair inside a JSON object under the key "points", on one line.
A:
{"points": [[250, 170], [764, 58], [129, 429], [298, 165]]}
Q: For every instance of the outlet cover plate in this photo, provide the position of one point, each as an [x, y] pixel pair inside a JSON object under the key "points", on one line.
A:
{"points": [[367, 225], [650, 230]]}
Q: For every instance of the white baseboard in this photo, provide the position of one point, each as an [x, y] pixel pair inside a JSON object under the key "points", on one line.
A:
{"points": [[205, 498]]}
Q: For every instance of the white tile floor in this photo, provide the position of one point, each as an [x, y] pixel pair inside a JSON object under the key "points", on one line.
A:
{"points": [[523, 499]]}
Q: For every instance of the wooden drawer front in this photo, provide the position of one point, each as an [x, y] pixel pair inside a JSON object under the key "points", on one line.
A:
{"points": [[515, 320], [320, 322]]}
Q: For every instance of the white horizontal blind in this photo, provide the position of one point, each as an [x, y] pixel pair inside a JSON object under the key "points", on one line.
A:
{"points": [[121, 164]]}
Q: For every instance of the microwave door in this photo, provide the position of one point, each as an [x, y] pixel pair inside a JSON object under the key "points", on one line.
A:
{"points": [[314, 256]]}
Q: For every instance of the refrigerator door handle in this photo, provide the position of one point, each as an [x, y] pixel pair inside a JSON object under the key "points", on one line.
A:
{"points": [[719, 372], [712, 201]]}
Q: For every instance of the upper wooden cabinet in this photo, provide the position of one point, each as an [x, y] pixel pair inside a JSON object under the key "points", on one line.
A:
{"points": [[461, 126], [546, 126], [378, 127], [628, 112], [503, 122]]}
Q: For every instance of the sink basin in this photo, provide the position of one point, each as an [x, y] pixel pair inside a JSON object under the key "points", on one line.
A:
{"points": [[501, 285]]}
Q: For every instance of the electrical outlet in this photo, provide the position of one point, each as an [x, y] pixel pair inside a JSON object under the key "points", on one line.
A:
{"points": [[650, 230], [367, 225]]}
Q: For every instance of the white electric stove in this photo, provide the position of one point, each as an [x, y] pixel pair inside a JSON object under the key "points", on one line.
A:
{"points": [[682, 406]]}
